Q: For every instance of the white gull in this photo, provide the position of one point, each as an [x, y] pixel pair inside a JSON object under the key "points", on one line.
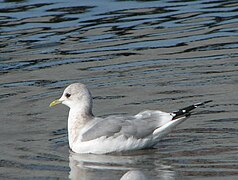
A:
{"points": [[90, 134]]}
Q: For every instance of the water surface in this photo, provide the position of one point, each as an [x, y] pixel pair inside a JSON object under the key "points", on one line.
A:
{"points": [[134, 55]]}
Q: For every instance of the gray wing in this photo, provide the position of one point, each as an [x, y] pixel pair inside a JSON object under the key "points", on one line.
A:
{"points": [[138, 126], [103, 127]]}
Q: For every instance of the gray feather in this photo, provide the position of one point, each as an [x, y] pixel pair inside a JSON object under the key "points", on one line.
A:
{"points": [[140, 126]]}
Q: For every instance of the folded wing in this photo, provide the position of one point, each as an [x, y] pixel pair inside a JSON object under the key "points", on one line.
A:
{"points": [[139, 126]]}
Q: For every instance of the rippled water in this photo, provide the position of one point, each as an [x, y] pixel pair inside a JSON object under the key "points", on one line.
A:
{"points": [[134, 55]]}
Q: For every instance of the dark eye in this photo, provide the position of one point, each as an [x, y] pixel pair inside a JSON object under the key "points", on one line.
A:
{"points": [[67, 95]]}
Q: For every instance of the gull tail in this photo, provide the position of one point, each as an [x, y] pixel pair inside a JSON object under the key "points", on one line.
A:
{"points": [[185, 112]]}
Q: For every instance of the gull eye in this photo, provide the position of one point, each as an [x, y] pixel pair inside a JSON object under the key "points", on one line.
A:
{"points": [[67, 95]]}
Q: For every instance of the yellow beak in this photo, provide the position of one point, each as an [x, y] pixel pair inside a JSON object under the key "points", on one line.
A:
{"points": [[55, 102]]}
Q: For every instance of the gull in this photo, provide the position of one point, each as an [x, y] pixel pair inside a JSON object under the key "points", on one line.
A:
{"points": [[90, 134]]}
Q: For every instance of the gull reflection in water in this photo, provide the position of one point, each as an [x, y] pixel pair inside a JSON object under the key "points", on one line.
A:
{"points": [[134, 175], [136, 166]]}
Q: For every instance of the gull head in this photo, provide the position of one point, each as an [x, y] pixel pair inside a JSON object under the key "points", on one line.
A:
{"points": [[74, 96]]}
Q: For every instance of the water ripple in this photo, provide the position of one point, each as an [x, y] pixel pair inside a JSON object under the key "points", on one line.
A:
{"points": [[135, 54]]}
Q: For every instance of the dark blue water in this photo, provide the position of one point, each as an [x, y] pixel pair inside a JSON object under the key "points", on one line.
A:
{"points": [[134, 55]]}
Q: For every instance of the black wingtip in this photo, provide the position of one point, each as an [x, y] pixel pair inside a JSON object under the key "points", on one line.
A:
{"points": [[186, 111], [205, 102], [202, 103]]}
